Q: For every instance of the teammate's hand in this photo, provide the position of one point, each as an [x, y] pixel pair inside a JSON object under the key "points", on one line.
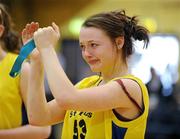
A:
{"points": [[27, 34], [28, 31]]}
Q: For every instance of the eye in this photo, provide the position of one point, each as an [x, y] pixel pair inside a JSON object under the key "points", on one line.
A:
{"points": [[82, 47], [94, 45]]}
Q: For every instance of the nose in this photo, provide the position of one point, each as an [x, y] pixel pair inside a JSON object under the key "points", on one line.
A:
{"points": [[87, 53]]}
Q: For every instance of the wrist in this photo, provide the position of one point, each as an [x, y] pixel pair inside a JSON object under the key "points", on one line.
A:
{"points": [[36, 63], [45, 49]]}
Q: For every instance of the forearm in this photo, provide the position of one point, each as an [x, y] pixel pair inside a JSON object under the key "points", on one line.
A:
{"points": [[58, 81], [26, 132], [36, 103]]}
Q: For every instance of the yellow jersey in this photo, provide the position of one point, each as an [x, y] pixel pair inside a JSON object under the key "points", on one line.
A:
{"points": [[104, 124], [10, 98]]}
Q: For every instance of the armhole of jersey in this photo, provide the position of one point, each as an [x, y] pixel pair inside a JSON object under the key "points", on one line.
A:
{"points": [[141, 110]]}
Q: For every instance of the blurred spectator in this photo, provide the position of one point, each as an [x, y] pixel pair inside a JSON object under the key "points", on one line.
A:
{"points": [[13, 91]]}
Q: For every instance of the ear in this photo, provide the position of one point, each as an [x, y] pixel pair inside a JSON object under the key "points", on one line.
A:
{"points": [[119, 42], [1, 30]]}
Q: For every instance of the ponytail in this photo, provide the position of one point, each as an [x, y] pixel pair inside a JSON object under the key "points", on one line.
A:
{"points": [[140, 33], [135, 31]]}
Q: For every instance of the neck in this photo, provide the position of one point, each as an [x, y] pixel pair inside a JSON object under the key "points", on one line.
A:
{"points": [[2, 53], [119, 69]]}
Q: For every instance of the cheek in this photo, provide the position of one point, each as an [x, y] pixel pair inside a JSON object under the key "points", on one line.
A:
{"points": [[83, 56], [108, 58]]}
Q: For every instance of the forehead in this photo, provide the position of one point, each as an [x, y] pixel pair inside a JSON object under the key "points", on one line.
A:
{"points": [[92, 33]]}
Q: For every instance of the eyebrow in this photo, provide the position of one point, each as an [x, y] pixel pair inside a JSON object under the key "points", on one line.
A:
{"points": [[88, 41]]}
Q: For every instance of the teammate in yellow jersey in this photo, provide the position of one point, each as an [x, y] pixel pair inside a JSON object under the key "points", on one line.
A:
{"points": [[113, 105], [13, 91]]}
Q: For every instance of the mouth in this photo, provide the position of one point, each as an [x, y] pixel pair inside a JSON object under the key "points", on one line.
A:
{"points": [[92, 62]]}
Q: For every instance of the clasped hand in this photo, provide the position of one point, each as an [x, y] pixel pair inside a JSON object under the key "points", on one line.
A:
{"points": [[43, 37], [47, 36]]}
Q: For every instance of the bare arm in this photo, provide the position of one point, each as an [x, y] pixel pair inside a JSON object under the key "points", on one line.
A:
{"points": [[104, 97], [91, 99], [39, 111], [25, 132]]}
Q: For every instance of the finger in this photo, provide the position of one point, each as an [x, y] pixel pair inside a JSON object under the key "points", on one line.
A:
{"points": [[39, 31], [27, 27], [37, 24], [23, 32], [28, 31], [56, 28], [50, 29], [34, 26]]}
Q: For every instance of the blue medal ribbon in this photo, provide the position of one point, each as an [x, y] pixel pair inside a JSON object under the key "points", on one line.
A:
{"points": [[24, 53]]}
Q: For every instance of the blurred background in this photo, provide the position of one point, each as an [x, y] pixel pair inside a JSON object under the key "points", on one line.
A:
{"points": [[159, 63]]}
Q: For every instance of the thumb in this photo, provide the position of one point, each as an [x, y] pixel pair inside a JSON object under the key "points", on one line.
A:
{"points": [[56, 28]]}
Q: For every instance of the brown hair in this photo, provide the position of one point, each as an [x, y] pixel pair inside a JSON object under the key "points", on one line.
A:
{"points": [[10, 38], [117, 23]]}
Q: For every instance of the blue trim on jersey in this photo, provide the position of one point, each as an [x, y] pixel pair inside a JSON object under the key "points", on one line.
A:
{"points": [[118, 132]]}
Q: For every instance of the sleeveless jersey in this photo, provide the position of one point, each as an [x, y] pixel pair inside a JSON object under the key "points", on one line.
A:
{"points": [[104, 124], [10, 98]]}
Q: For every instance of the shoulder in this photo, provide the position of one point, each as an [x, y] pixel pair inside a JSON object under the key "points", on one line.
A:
{"points": [[131, 79], [10, 58], [133, 85], [88, 81], [12, 55]]}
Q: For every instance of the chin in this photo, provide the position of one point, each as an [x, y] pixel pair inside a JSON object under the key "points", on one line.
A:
{"points": [[95, 69]]}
